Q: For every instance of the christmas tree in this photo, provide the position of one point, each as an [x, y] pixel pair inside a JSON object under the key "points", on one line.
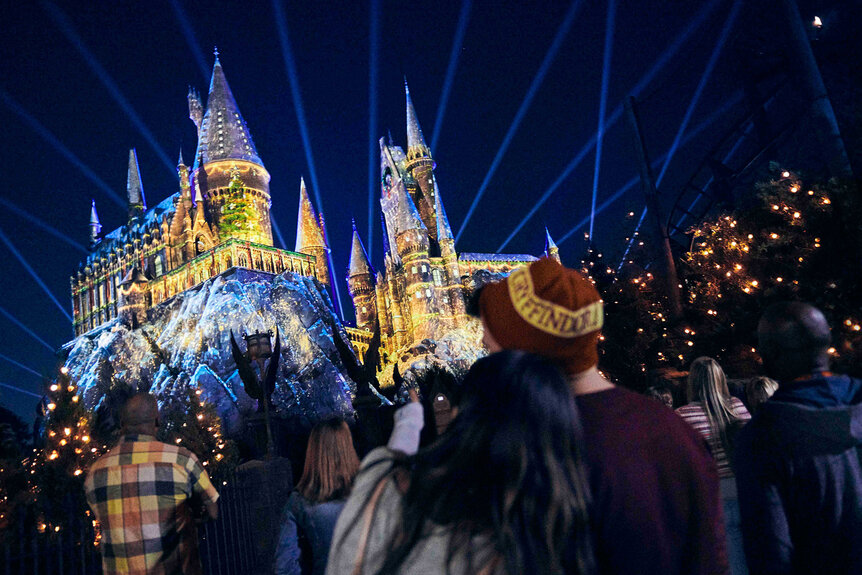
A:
{"points": [[186, 419], [238, 216]]}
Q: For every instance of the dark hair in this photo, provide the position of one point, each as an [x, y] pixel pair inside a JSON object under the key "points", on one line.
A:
{"points": [[509, 467], [330, 463]]}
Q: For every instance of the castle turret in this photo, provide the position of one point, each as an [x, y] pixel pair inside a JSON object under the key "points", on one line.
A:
{"points": [[196, 109], [185, 182], [453, 291], [309, 236], [360, 283], [95, 227], [226, 157], [551, 249], [420, 167], [134, 187]]}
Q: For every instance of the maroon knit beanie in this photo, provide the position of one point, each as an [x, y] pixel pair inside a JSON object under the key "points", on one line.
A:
{"points": [[546, 309]]}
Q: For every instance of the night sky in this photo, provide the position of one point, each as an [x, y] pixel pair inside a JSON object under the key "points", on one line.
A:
{"points": [[83, 82]]}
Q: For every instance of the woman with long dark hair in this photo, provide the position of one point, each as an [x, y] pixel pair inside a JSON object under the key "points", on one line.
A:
{"points": [[718, 416], [503, 490], [313, 508]]}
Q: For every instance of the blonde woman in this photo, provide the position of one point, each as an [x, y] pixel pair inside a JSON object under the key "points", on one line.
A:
{"points": [[718, 416]]}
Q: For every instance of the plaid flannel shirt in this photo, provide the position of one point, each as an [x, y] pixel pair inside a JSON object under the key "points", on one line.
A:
{"points": [[146, 494]]}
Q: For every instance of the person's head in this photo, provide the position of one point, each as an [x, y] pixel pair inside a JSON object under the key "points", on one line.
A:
{"points": [[758, 390], [707, 385], [793, 340], [547, 309], [331, 463], [140, 414], [509, 466], [661, 394]]}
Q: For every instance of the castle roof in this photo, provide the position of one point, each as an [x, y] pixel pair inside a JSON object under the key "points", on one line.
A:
{"points": [[406, 215], [359, 264], [223, 133], [94, 217], [134, 186], [415, 140], [308, 232], [444, 231], [477, 257], [549, 242]]}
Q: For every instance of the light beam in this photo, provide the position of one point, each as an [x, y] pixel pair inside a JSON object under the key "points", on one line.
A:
{"points": [[32, 272], [191, 40], [603, 104], [20, 365], [20, 390], [645, 80], [373, 150], [65, 26], [48, 228], [634, 180], [293, 77], [525, 105], [27, 330], [49, 137], [454, 56], [278, 233]]}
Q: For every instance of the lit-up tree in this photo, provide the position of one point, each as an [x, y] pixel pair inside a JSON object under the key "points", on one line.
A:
{"points": [[189, 421], [238, 215]]}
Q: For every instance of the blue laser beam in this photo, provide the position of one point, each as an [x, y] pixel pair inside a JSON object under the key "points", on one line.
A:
{"points": [[454, 56], [191, 39], [20, 365], [27, 330], [706, 123], [33, 273], [20, 390], [293, 77], [48, 228], [700, 18], [562, 31], [701, 85], [278, 235], [373, 69], [49, 137], [68, 30], [603, 104]]}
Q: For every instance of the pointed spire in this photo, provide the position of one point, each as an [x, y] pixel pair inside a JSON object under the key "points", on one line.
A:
{"points": [[406, 215], [385, 235], [180, 161], [134, 187], [551, 249], [198, 197], [359, 264], [416, 146], [444, 231], [308, 234], [223, 133], [95, 226]]}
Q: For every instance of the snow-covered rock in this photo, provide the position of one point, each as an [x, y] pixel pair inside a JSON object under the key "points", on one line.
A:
{"points": [[186, 342]]}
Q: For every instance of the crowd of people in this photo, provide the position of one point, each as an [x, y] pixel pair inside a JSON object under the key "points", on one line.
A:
{"points": [[546, 466]]}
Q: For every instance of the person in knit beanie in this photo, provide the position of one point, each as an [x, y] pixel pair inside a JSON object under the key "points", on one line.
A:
{"points": [[656, 501]]}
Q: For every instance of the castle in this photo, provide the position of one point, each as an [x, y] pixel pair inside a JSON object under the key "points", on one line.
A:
{"points": [[220, 218]]}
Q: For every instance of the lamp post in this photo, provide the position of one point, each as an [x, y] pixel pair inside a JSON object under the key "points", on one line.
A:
{"points": [[259, 386], [259, 349]]}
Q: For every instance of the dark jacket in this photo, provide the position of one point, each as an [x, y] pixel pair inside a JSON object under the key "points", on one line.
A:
{"points": [[314, 523], [799, 475]]}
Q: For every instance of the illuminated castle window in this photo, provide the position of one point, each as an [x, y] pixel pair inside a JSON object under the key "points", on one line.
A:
{"points": [[428, 293], [413, 269], [228, 263], [438, 278], [243, 261]]}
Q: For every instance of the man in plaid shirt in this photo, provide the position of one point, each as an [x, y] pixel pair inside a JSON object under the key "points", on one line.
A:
{"points": [[147, 494]]}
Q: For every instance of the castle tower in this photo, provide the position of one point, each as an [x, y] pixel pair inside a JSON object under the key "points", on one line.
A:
{"points": [[420, 167], [134, 187], [360, 283], [95, 227], [309, 236], [453, 292], [228, 172], [412, 242], [551, 249]]}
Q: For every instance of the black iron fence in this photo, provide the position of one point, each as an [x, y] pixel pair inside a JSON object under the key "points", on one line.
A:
{"points": [[240, 541]]}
